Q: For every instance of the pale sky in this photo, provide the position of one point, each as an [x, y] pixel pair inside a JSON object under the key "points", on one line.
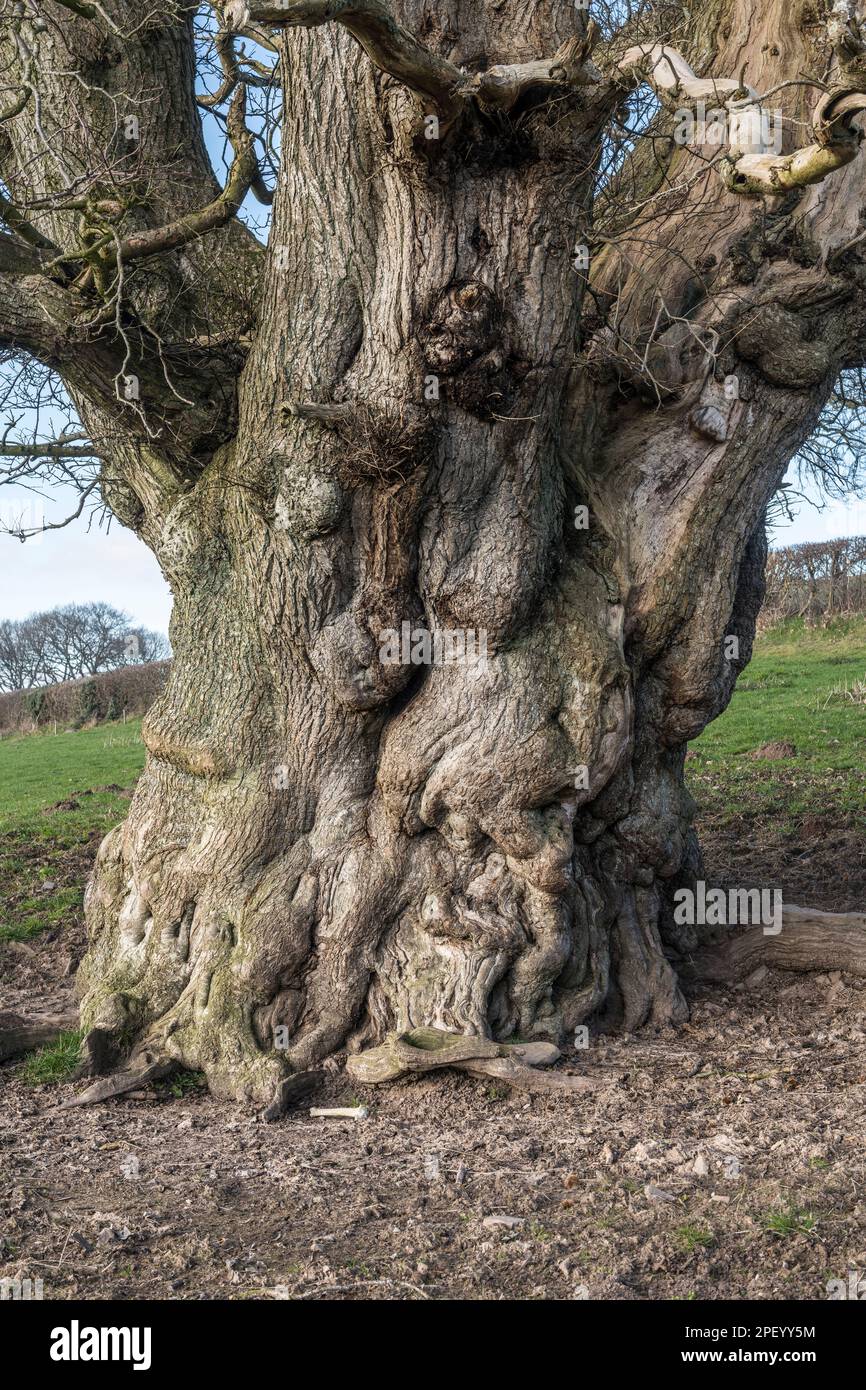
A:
{"points": [[74, 566]]}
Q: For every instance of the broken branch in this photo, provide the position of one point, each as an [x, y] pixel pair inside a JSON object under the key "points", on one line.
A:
{"points": [[753, 171]]}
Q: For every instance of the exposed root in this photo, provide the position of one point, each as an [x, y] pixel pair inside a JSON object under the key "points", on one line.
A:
{"points": [[138, 1074], [427, 1049], [524, 1078], [809, 940]]}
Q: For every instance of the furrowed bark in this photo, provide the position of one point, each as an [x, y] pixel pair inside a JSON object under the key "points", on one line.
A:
{"points": [[436, 426]]}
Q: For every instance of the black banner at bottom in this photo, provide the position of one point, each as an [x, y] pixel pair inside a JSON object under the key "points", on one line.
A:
{"points": [[59, 1339]]}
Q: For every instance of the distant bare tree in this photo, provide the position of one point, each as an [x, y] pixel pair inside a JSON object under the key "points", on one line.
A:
{"points": [[81, 639], [22, 653]]}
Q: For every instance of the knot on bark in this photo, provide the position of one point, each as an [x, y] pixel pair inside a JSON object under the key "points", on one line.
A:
{"points": [[775, 339], [708, 420], [466, 340]]}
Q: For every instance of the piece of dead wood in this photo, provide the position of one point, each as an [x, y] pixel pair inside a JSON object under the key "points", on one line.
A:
{"points": [[339, 1112], [428, 1049], [809, 940], [120, 1082], [528, 1078], [20, 1033]]}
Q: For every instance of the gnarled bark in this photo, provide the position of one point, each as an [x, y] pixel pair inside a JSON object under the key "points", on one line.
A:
{"points": [[327, 845]]}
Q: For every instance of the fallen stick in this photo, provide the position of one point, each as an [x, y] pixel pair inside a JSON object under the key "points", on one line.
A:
{"points": [[22, 1034], [425, 1049], [340, 1112]]}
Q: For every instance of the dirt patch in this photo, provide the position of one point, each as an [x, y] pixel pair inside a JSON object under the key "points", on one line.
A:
{"points": [[723, 1161], [666, 1184], [39, 971], [820, 863], [780, 748]]}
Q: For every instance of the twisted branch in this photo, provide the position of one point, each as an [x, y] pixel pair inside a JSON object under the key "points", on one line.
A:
{"points": [[752, 170], [395, 51]]}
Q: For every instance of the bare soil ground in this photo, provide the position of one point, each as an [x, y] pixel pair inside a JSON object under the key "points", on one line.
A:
{"points": [[724, 1161], [819, 861]]}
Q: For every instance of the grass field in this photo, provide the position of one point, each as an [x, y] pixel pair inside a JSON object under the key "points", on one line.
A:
{"points": [[37, 770], [60, 794], [804, 686]]}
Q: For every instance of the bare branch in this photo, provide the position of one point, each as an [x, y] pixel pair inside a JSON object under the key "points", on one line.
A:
{"points": [[49, 449], [837, 142], [80, 7], [243, 174], [435, 79], [87, 10], [23, 533], [17, 223], [391, 47], [749, 168]]}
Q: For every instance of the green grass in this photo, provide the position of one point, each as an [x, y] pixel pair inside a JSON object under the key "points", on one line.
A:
{"points": [[794, 690], [38, 770], [694, 1238], [184, 1083], [33, 915], [91, 768], [789, 1221], [54, 1063]]}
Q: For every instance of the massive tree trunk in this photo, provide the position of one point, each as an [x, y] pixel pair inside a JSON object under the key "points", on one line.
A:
{"points": [[437, 426]]}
